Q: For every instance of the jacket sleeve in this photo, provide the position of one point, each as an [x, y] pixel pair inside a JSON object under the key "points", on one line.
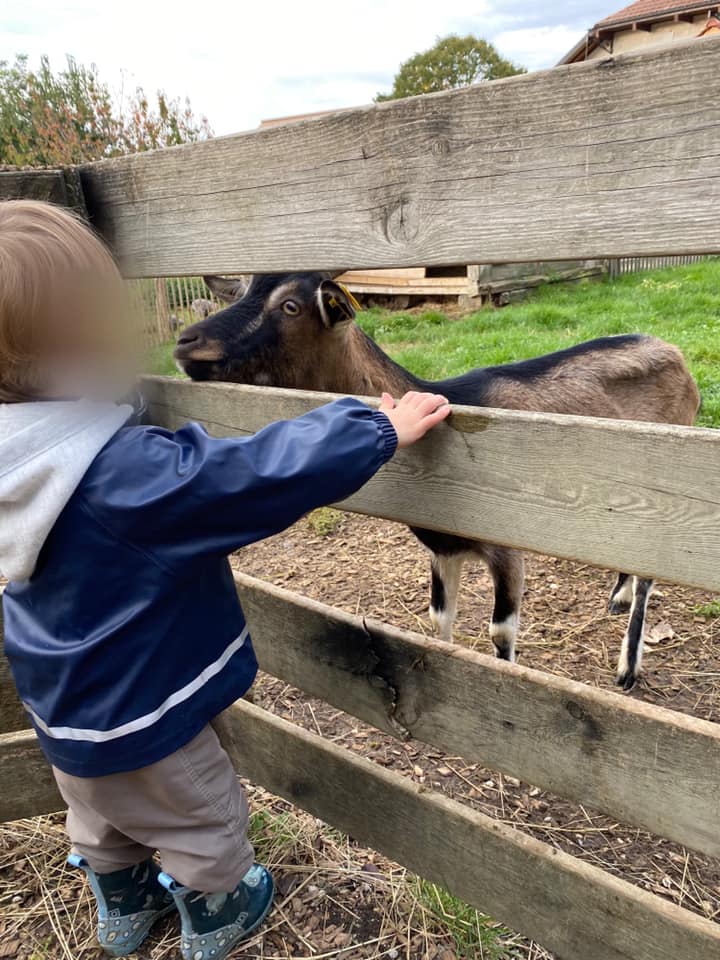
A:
{"points": [[184, 494]]}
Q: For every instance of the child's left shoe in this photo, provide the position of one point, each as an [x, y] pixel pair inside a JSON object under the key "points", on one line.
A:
{"points": [[214, 923], [129, 902]]}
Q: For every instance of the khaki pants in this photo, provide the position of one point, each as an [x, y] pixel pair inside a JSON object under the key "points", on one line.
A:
{"points": [[188, 806]]}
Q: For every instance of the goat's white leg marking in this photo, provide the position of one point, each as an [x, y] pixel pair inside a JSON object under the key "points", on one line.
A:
{"points": [[504, 635], [630, 661], [507, 570], [446, 570], [621, 595]]}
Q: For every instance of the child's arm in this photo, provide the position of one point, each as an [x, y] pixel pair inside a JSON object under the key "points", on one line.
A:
{"points": [[192, 495]]}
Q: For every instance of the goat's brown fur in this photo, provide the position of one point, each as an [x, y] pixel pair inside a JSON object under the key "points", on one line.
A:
{"points": [[598, 384], [606, 385]]}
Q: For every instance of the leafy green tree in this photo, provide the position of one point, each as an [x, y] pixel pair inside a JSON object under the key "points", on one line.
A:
{"points": [[53, 119], [452, 62], [167, 123]]}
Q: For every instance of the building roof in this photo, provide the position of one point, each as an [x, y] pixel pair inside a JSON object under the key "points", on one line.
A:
{"points": [[651, 9], [712, 26], [642, 12]]}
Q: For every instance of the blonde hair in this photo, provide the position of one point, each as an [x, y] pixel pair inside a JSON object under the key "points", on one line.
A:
{"points": [[49, 259]]}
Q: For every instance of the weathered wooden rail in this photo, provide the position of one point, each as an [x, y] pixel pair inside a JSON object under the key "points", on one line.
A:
{"points": [[608, 159], [593, 490]]}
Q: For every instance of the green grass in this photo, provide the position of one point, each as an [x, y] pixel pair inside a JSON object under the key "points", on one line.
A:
{"points": [[680, 304], [160, 360], [270, 831], [324, 521], [475, 935], [710, 610]]}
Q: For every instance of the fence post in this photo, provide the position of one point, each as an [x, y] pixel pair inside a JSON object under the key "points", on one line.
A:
{"points": [[61, 186], [162, 309]]}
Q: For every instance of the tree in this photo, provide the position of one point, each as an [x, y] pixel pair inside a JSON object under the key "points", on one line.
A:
{"points": [[170, 123], [54, 119], [452, 62]]}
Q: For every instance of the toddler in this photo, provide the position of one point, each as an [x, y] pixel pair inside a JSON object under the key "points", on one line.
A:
{"points": [[123, 627]]}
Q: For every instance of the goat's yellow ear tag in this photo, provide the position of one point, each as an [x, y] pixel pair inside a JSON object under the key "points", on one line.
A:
{"points": [[353, 302]]}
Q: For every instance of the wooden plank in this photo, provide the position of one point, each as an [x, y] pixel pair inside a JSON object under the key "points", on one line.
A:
{"points": [[33, 185], [421, 289], [350, 275], [602, 159], [631, 496], [369, 279], [12, 713], [524, 282], [55, 186], [571, 907], [650, 767], [27, 786]]}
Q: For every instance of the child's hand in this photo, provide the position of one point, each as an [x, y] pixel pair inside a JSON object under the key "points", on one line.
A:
{"points": [[414, 414]]}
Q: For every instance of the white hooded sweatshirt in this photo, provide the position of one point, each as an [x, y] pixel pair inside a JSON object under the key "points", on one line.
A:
{"points": [[45, 450]]}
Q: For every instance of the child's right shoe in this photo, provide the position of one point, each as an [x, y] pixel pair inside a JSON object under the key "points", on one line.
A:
{"points": [[129, 902], [213, 923]]}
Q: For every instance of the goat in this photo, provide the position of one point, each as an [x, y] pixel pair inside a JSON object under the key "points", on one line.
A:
{"points": [[203, 308], [298, 331], [227, 290]]}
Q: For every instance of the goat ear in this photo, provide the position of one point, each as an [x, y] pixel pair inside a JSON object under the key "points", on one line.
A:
{"points": [[227, 289], [337, 304]]}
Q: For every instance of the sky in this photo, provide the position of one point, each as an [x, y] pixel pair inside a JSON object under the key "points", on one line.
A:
{"points": [[241, 62]]}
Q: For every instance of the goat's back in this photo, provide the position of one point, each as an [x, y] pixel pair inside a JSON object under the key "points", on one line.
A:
{"points": [[631, 377]]}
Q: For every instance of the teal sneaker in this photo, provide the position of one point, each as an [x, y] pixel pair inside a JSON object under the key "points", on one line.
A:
{"points": [[129, 902], [213, 923]]}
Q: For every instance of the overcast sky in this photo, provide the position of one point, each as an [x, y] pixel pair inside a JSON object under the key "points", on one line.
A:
{"points": [[240, 62]]}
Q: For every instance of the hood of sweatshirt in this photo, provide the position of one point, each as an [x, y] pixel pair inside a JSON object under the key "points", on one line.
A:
{"points": [[45, 450]]}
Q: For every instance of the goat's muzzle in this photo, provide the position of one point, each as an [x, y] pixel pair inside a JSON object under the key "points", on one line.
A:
{"points": [[192, 345]]}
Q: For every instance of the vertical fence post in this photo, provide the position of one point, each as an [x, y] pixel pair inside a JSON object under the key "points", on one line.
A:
{"points": [[162, 308]]}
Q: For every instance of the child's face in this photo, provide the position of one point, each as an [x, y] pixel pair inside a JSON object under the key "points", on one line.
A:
{"points": [[91, 347]]}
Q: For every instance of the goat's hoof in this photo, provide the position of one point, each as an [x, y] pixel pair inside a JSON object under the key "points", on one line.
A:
{"points": [[626, 680], [616, 607], [504, 653]]}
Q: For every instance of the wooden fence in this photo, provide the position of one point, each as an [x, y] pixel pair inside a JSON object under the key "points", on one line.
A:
{"points": [[604, 159], [165, 305], [617, 268]]}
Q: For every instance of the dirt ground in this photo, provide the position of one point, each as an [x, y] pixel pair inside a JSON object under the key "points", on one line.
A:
{"points": [[337, 899]]}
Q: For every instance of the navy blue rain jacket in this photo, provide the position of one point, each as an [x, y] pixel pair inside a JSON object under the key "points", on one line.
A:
{"points": [[128, 638]]}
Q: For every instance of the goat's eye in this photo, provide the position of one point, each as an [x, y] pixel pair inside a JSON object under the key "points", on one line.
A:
{"points": [[291, 308]]}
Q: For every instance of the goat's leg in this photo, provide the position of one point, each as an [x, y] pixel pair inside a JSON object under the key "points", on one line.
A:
{"points": [[507, 570], [446, 569], [621, 594], [630, 660], [447, 554]]}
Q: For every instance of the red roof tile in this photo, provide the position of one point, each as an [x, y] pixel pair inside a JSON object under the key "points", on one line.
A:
{"points": [[652, 8]]}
